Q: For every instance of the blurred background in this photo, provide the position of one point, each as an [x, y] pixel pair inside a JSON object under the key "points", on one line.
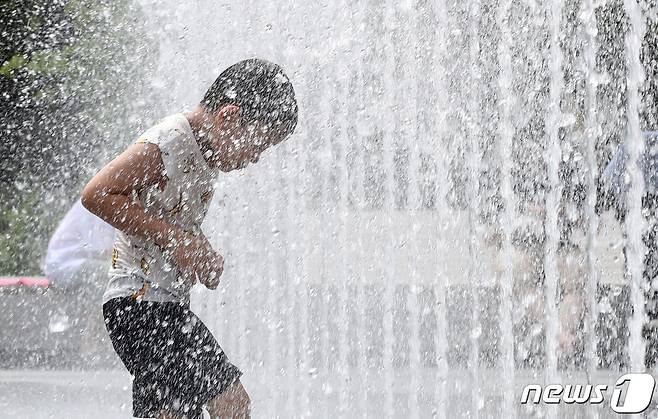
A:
{"points": [[72, 79]]}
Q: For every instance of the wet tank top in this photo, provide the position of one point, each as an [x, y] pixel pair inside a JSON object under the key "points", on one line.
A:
{"points": [[138, 267]]}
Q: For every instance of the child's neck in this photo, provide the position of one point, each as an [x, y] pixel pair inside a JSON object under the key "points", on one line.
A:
{"points": [[195, 119]]}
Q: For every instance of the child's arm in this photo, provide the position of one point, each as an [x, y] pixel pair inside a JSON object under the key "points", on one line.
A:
{"points": [[109, 194]]}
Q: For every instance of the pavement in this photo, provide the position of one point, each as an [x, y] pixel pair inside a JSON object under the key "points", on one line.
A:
{"points": [[36, 394], [106, 394]]}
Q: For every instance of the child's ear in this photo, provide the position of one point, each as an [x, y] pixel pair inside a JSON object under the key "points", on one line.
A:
{"points": [[228, 113]]}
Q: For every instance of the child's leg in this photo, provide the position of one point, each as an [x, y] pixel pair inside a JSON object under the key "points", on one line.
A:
{"points": [[234, 403], [168, 415]]}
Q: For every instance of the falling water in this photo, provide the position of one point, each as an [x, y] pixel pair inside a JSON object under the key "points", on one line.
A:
{"points": [[388, 159], [413, 139], [553, 159], [635, 221], [275, 293], [291, 285], [588, 20], [473, 111], [302, 280], [361, 275], [506, 132], [292, 250], [439, 287], [343, 300], [360, 130]]}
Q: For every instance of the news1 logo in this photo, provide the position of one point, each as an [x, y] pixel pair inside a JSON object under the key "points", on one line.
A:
{"points": [[638, 388]]}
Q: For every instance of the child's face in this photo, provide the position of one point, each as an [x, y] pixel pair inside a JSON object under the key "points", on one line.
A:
{"points": [[242, 144]]}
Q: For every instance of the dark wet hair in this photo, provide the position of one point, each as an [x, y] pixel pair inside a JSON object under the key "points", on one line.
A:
{"points": [[262, 92]]}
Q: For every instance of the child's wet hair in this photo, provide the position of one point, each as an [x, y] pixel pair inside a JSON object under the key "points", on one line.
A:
{"points": [[261, 90]]}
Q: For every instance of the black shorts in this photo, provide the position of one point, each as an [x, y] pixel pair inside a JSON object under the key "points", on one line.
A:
{"points": [[176, 363]]}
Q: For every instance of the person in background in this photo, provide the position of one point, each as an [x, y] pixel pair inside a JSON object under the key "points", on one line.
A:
{"points": [[81, 241], [76, 265]]}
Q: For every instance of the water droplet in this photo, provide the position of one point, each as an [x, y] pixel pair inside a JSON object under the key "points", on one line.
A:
{"points": [[58, 323], [605, 306], [476, 332]]}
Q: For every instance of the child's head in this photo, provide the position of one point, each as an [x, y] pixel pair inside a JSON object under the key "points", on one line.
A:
{"points": [[251, 106]]}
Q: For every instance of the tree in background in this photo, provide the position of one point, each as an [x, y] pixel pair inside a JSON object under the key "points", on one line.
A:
{"points": [[71, 77]]}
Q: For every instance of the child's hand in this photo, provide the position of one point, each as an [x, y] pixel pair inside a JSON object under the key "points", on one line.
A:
{"points": [[211, 267], [195, 258], [210, 278]]}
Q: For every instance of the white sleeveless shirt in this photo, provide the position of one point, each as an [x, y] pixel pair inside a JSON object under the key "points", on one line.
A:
{"points": [[138, 267]]}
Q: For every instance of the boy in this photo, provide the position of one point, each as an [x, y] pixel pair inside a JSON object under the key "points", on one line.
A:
{"points": [[156, 194]]}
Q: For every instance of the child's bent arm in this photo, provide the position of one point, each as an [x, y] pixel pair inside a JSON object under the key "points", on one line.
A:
{"points": [[109, 194]]}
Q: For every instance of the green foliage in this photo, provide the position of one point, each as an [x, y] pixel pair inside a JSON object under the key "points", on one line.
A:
{"points": [[70, 71], [21, 244], [16, 62]]}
